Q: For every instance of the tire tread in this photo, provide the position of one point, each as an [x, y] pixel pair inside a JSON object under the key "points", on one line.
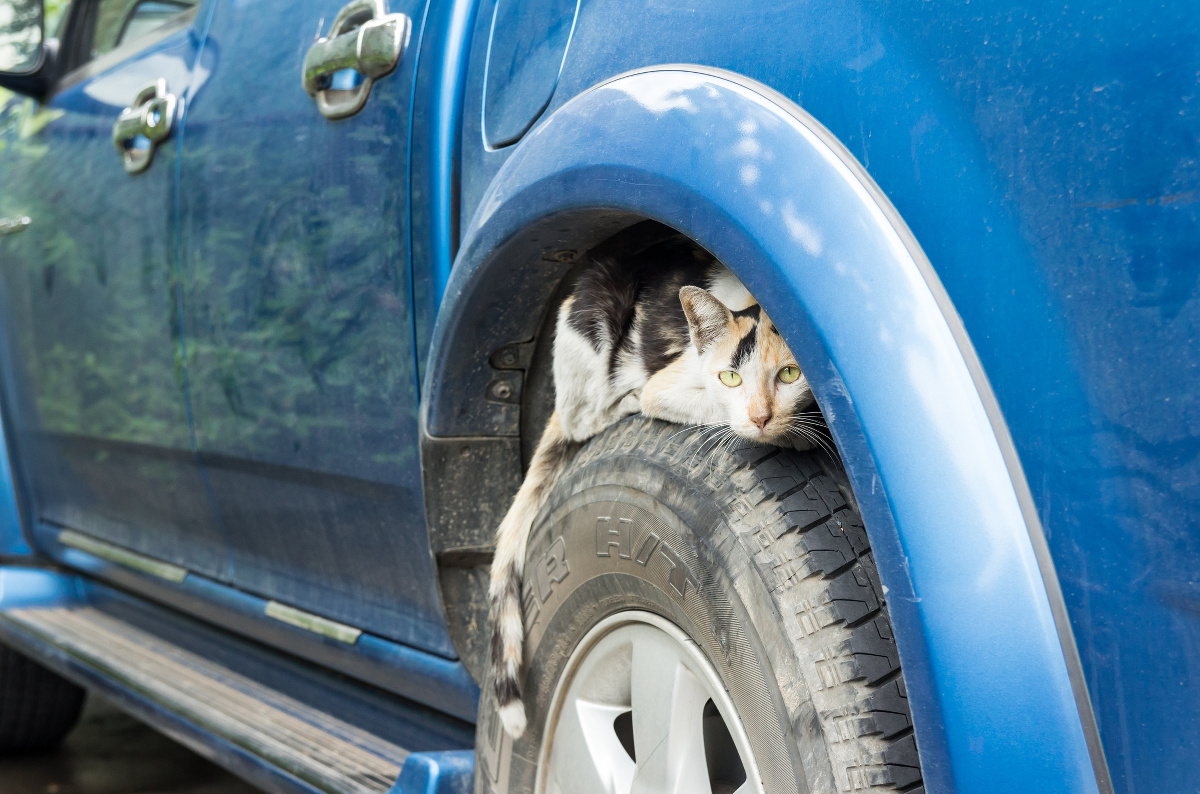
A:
{"points": [[811, 548], [37, 706]]}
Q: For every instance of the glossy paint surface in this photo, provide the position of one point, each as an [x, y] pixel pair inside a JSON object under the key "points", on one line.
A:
{"points": [[95, 392], [993, 704], [435, 171], [1045, 156], [12, 539], [449, 772], [298, 329], [528, 41]]}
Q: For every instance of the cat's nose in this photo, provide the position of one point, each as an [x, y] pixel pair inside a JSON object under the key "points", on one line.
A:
{"points": [[761, 419]]}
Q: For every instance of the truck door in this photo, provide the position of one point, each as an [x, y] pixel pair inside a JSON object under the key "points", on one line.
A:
{"points": [[94, 380], [297, 310]]}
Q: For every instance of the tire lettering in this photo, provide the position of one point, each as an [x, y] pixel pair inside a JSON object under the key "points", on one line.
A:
{"points": [[647, 550], [620, 536], [679, 577], [552, 568]]}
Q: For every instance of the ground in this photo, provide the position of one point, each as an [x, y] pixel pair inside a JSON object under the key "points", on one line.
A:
{"points": [[112, 753]]}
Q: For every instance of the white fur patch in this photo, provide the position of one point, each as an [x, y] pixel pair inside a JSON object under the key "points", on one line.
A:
{"points": [[728, 289], [512, 716]]}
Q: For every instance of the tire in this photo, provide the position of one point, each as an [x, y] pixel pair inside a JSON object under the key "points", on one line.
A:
{"points": [[37, 707], [762, 561]]}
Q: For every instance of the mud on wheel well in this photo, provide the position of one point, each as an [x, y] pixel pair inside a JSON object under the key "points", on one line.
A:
{"points": [[469, 481]]}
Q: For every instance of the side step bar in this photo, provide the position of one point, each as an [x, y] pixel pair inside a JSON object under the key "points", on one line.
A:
{"points": [[305, 748]]}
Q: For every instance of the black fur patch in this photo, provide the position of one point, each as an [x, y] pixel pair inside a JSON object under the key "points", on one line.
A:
{"points": [[507, 690], [745, 347], [753, 311], [666, 268], [604, 299], [608, 292], [497, 640]]}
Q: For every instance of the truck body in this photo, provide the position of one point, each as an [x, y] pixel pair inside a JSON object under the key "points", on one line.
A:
{"points": [[267, 389]]}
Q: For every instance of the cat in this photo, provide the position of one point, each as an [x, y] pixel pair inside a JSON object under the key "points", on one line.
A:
{"points": [[642, 335]]}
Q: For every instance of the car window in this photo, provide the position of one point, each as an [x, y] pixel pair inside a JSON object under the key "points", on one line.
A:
{"points": [[55, 17], [121, 21]]}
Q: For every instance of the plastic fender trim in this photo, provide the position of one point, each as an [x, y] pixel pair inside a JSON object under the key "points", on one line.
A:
{"points": [[997, 692]]}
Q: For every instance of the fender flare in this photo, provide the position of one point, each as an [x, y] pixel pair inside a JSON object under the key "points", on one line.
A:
{"points": [[995, 685]]}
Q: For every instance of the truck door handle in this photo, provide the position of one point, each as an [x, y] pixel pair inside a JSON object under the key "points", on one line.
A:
{"points": [[364, 38], [143, 125]]}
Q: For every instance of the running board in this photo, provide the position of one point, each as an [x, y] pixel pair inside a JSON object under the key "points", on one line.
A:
{"points": [[304, 746]]}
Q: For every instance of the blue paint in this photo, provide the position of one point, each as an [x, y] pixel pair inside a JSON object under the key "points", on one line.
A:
{"points": [[422, 677], [294, 285], [526, 48], [95, 402], [22, 588], [993, 703], [436, 773], [12, 535], [436, 164], [1043, 155]]}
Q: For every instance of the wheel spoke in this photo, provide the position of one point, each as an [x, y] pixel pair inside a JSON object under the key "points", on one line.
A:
{"points": [[641, 711], [588, 756], [668, 705]]}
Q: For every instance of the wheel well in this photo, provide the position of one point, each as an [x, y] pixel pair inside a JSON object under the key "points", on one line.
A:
{"points": [[470, 480]]}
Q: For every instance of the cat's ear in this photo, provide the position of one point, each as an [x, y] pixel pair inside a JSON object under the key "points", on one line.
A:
{"points": [[708, 318]]}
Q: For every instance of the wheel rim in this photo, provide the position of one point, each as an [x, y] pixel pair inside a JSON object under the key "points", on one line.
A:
{"points": [[640, 710]]}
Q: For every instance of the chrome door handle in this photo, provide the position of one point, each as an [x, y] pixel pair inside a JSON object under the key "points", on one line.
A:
{"points": [[145, 124], [365, 38]]}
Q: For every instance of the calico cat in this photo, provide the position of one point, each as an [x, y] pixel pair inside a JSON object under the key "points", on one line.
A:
{"points": [[644, 335]]}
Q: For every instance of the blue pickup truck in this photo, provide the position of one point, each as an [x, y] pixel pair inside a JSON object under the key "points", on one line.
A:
{"points": [[277, 288]]}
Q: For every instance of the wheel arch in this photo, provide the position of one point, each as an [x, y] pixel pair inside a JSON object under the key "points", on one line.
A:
{"points": [[996, 689]]}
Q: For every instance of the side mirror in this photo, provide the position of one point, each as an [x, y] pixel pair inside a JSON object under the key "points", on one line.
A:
{"points": [[26, 58]]}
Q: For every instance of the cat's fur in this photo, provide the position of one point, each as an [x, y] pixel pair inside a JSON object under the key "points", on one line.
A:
{"points": [[642, 335]]}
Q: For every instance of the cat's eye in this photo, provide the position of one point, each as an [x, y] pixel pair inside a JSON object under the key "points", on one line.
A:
{"points": [[789, 374], [730, 378]]}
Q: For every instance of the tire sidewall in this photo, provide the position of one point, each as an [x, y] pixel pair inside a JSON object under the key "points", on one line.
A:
{"points": [[623, 532]]}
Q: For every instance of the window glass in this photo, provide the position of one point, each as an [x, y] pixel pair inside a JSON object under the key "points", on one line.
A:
{"points": [[121, 21], [56, 17]]}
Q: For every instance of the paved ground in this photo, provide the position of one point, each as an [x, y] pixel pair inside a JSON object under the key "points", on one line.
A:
{"points": [[110, 753]]}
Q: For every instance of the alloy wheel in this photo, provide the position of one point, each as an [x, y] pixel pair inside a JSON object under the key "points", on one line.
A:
{"points": [[640, 710]]}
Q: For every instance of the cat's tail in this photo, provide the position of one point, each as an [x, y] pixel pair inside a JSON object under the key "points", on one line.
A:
{"points": [[553, 453]]}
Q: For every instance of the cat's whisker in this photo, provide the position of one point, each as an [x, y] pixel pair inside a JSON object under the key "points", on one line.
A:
{"points": [[809, 418], [713, 432], [708, 434], [719, 442], [722, 441], [816, 433], [732, 441], [686, 428]]}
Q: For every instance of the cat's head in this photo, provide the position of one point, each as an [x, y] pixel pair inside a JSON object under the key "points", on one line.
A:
{"points": [[747, 367]]}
